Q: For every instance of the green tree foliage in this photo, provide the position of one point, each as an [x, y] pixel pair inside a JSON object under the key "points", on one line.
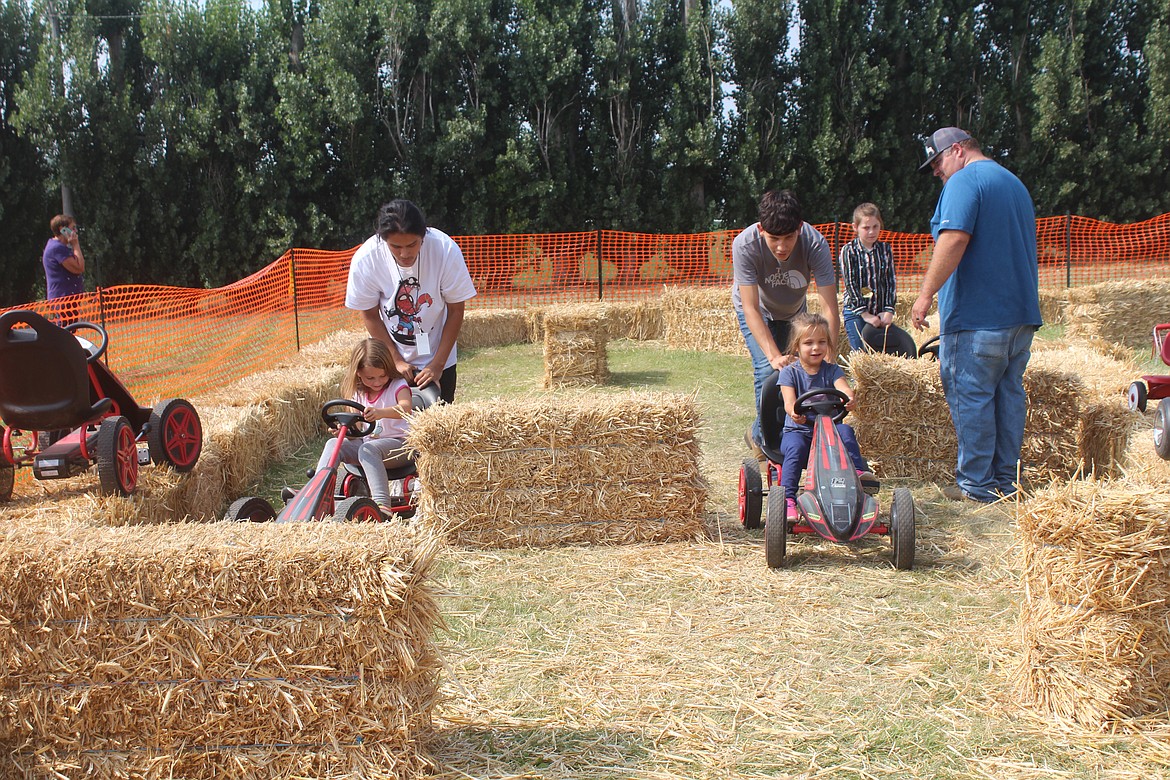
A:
{"points": [[199, 139]]}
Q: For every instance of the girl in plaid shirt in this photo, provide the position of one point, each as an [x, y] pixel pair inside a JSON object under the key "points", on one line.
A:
{"points": [[867, 276]]}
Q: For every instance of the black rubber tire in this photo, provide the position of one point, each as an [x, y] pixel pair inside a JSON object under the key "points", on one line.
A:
{"points": [[358, 509], [176, 434], [250, 509], [353, 486], [751, 494], [7, 480], [1137, 396], [1162, 431], [117, 457], [776, 529], [902, 523]]}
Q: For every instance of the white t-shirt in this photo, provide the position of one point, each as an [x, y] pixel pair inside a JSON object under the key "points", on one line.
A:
{"points": [[386, 427], [411, 299]]}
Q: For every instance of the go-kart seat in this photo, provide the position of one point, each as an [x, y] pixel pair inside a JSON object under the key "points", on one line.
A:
{"points": [[44, 379], [891, 340], [771, 418], [1163, 343]]}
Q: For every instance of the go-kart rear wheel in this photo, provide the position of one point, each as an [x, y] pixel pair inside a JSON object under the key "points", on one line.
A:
{"points": [[117, 457], [352, 485], [751, 493], [7, 480], [176, 434], [358, 509], [902, 522], [250, 509], [776, 528], [1137, 396], [1162, 431]]}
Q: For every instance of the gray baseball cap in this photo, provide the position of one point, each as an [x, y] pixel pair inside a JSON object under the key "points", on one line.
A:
{"points": [[941, 140]]}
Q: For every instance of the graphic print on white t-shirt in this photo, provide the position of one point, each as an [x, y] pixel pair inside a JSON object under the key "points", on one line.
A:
{"points": [[406, 315]]}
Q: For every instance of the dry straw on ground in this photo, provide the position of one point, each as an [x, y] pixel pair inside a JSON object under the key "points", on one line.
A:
{"points": [[1095, 623], [567, 469], [1122, 312], [575, 342], [217, 650]]}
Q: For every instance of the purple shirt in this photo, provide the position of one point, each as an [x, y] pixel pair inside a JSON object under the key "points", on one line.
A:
{"points": [[59, 279]]}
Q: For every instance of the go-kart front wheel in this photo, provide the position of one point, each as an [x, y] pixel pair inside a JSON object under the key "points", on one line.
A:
{"points": [[7, 480], [751, 493], [117, 457], [1136, 397], [776, 528], [1162, 431], [902, 522], [250, 509], [176, 434], [358, 509]]}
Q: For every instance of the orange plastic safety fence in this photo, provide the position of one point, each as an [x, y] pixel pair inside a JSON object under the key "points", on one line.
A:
{"points": [[167, 341]]}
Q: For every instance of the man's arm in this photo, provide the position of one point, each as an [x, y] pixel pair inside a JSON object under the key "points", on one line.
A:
{"points": [[749, 297], [948, 251], [434, 369], [828, 295], [376, 327]]}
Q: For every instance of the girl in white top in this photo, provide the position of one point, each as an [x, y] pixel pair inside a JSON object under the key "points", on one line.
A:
{"points": [[373, 382]]}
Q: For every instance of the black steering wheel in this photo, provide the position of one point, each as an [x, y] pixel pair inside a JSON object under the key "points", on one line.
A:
{"points": [[355, 424], [929, 347], [828, 401], [97, 351]]}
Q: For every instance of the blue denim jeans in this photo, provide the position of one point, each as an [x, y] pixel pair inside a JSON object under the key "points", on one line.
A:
{"points": [[983, 379], [761, 368], [853, 325]]}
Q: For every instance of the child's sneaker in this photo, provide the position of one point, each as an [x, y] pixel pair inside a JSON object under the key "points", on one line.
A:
{"points": [[869, 483], [792, 513]]}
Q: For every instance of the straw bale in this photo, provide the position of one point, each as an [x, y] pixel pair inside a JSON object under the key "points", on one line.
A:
{"points": [[1095, 620], [903, 422], [574, 346], [534, 323], [640, 320], [211, 650], [701, 319], [1052, 306], [568, 469], [494, 328], [1122, 312]]}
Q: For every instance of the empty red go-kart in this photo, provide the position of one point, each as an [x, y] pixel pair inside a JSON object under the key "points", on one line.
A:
{"points": [[834, 504], [52, 381]]}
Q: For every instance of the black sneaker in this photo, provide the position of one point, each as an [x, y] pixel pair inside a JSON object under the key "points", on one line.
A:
{"points": [[869, 483], [287, 494]]}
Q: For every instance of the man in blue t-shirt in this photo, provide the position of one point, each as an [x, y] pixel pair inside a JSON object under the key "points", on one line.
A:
{"points": [[985, 272]]}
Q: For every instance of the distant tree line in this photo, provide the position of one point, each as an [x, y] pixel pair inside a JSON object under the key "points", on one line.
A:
{"points": [[199, 140]]}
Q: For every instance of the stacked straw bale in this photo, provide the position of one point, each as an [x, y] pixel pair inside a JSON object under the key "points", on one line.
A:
{"points": [[569, 469], [217, 650], [904, 425], [701, 319], [494, 328], [1094, 621], [575, 342], [1122, 312], [639, 320]]}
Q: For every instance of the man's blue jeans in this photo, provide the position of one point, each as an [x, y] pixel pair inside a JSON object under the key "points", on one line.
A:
{"points": [[983, 379], [761, 368]]}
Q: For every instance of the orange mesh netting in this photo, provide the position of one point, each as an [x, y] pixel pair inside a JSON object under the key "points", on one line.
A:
{"points": [[167, 341]]}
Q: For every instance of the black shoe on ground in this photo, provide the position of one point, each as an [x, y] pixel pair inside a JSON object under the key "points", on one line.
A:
{"points": [[287, 494]]}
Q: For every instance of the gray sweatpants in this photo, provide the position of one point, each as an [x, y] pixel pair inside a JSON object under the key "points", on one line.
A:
{"points": [[374, 456]]}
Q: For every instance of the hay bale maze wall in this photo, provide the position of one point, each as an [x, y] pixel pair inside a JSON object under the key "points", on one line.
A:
{"points": [[217, 650], [701, 319], [1122, 312], [540, 471], [575, 340], [904, 426], [1094, 621]]}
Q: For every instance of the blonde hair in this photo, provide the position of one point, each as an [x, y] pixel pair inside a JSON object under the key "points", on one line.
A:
{"points": [[802, 325], [867, 209], [367, 353]]}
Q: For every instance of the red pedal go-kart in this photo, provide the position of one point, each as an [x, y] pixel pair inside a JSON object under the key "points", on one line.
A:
{"points": [[1157, 387], [52, 381], [340, 491], [834, 504]]}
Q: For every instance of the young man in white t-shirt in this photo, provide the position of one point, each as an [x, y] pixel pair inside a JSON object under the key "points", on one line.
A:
{"points": [[410, 283]]}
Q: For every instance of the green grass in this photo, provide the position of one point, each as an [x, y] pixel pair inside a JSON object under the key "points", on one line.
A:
{"points": [[694, 660]]}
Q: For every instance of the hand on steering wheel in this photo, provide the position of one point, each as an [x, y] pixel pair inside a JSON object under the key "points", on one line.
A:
{"points": [[828, 401], [355, 424]]}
